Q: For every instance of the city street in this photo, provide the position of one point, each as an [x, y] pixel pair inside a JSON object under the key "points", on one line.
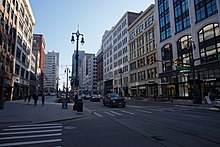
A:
{"points": [[140, 123]]}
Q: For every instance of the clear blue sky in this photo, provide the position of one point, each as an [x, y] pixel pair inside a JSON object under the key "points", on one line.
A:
{"points": [[58, 19]]}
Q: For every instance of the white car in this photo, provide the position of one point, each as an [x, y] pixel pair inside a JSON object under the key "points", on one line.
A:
{"points": [[217, 103]]}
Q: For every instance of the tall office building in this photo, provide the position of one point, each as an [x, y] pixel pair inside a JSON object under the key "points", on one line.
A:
{"points": [[38, 49], [18, 19], [115, 55], [80, 65], [88, 70], [51, 72], [143, 73], [189, 46]]}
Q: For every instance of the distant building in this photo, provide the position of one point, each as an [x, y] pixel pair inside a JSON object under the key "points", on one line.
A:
{"points": [[51, 72], [89, 71], [143, 71], [115, 55], [38, 50], [100, 83], [80, 64]]}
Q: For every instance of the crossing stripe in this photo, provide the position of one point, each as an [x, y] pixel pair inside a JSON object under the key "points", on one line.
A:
{"points": [[143, 111], [32, 128], [30, 142], [29, 132], [30, 136], [34, 125], [97, 114], [115, 113], [127, 112], [109, 113]]}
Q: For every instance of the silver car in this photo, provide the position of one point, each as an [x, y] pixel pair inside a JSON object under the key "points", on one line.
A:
{"points": [[217, 103]]}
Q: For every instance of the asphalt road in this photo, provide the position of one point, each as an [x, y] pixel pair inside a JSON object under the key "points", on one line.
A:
{"points": [[139, 124]]}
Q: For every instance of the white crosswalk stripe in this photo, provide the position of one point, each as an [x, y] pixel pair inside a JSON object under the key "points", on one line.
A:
{"points": [[24, 135], [97, 114], [127, 112]]}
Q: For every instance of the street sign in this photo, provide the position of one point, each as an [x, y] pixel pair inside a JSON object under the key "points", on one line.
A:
{"points": [[183, 68]]}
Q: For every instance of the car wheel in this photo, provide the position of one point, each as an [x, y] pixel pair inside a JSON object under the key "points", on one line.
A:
{"points": [[104, 103], [111, 105]]}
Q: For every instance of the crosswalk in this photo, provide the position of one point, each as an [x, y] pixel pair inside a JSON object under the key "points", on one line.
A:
{"points": [[32, 134], [150, 110]]}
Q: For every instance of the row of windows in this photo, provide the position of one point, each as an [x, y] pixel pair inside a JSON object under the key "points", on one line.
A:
{"points": [[209, 47], [141, 76], [203, 10], [148, 22]]}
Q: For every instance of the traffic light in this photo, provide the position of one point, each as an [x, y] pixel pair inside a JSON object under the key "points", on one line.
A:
{"points": [[151, 60], [176, 62]]}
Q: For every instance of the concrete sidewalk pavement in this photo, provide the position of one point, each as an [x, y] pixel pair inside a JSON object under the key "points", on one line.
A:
{"points": [[20, 112]]}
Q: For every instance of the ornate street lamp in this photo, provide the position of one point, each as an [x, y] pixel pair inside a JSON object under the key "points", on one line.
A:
{"points": [[77, 34]]}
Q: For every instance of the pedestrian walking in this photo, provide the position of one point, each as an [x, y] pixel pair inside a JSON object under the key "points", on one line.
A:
{"points": [[35, 97], [43, 99], [29, 98]]}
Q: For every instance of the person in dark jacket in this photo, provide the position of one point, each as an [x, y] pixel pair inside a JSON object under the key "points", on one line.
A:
{"points": [[43, 99], [35, 97]]}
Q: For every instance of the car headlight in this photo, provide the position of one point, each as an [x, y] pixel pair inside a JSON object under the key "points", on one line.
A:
{"points": [[113, 101]]}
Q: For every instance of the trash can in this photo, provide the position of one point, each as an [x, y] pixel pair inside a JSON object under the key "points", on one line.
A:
{"points": [[79, 106], [64, 104]]}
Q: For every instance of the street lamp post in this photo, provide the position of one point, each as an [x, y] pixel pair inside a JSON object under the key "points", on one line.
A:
{"points": [[121, 72], [196, 98], [67, 70], [77, 34]]}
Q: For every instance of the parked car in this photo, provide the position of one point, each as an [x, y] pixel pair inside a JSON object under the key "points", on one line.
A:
{"points": [[87, 97], [217, 103], [83, 96], [94, 98], [114, 100]]}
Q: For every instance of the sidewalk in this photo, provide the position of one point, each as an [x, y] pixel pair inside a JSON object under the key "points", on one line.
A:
{"points": [[20, 112], [175, 102]]}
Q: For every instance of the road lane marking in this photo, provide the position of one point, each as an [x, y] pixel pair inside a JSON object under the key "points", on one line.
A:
{"points": [[115, 113], [32, 128], [30, 136], [156, 109], [34, 125], [29, 132], [143, 111], [127, 112], [30, 142], [109, 113], [99, 115]]}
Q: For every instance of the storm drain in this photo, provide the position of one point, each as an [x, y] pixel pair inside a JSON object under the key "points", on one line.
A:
{"points": [[156, 138]]}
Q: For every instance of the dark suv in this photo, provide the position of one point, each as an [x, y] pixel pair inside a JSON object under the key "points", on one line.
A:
{"points": [[114, 100]]}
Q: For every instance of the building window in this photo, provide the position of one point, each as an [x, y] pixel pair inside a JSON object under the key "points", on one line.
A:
{"points": [[167, 57], [209, 43], [204, 9], [164, 19], [181, 13], [18, 54], [17, 69], [183, 49]]}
